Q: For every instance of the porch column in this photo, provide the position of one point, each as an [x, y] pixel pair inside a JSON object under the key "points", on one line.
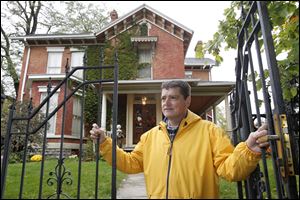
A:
{"points": [[158, 108], [129, 120], [103, 114], [227, 113], [214, 115]]}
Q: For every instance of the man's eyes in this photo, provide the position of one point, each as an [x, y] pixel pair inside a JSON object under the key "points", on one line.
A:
{"points": [[171, 97]]}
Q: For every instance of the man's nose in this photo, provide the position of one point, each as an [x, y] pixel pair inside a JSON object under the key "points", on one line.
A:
{"points": [[167, 101]]}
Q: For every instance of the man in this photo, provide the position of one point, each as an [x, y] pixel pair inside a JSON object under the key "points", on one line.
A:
{"points": [[183, 156]]}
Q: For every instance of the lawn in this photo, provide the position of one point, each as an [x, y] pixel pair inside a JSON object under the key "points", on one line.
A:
{"points": [[228, 190], [87, 186]]}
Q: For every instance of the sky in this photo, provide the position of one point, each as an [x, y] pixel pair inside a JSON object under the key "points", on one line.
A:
{"points": [[200, 16]]}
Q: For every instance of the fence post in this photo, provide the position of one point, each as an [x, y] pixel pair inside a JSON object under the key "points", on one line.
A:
{"points": [[7, 140]]}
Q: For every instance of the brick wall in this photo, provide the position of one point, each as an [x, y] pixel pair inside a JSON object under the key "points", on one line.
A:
{"points": [[202, 74], [69, 106], [168, 61]]}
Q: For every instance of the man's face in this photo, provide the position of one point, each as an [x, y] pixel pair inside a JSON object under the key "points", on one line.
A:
{"points": [[173, 104]]}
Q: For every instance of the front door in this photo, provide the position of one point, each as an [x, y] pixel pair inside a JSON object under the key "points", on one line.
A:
{"points": [[144, 118]]}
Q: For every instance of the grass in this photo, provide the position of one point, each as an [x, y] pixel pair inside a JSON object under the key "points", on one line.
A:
{"points": [[87, 186], [228, 190]]}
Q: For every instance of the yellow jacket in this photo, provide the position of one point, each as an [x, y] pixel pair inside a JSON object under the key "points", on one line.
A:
{"points": [[201, 152]]}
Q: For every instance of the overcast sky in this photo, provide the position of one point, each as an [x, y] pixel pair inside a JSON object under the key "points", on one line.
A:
{"points": [[200, 16]]}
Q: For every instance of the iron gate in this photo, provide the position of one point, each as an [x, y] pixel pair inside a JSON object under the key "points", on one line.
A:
{"points": [[283, 120], [60, 174]]}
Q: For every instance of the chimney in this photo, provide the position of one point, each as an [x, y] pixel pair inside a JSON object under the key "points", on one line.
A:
{"points": [[113, 15], [199, 44]]}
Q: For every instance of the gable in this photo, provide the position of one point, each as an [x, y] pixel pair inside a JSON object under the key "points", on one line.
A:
{"points": [[146, 14]]}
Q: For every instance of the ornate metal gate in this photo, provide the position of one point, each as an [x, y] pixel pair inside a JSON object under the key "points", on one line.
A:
{"points": [[60, 174], [282, 117]]}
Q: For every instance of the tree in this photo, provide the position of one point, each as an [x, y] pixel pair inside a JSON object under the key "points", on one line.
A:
{"points": [[284, 16], [27, 14]]}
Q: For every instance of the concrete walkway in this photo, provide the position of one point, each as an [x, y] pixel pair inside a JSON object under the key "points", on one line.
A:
{"points": [[133, 187]]}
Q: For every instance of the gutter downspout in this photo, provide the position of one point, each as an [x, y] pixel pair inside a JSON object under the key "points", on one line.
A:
{"points": [[25, 72]]}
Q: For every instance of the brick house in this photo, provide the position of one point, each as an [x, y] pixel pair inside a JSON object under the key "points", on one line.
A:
{"points": [[163, 47]]}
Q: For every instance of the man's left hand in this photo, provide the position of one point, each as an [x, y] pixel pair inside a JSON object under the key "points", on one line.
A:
{"points": [[255, 141]]}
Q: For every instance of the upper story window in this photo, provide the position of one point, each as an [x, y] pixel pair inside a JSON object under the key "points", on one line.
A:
{"points": [[54, 59], [77, 61], [145, 46], [145, 63]]}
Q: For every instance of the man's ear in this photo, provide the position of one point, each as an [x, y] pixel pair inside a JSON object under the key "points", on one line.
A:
{"points": [[188, 101]]}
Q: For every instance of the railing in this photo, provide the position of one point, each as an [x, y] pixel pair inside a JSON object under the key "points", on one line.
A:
{"points": [[283, 125], [61, 175]]}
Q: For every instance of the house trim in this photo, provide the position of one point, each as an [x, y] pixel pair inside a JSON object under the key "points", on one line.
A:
{"points": [[24, 77], [115, 22]]}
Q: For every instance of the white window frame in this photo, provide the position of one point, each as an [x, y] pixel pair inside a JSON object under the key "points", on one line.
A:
{"points": [[53, 105], [145, 56], [76, 117], [77, 62], [188, 74], [54, 61]]}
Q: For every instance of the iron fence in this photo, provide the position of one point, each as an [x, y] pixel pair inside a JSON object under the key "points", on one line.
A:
{"points": [[247, 116], [60, 174]]}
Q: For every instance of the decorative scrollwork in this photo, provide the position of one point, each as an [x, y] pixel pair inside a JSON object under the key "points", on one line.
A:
{"points": [[59, 176]]}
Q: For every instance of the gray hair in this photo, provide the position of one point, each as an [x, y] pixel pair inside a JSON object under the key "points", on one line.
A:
{"points": [[185, 88]]}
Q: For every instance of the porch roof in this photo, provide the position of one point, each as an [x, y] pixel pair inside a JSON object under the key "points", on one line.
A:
{"points": [[205, 94]]}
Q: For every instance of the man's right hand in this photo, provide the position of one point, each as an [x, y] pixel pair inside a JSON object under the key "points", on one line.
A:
{"points": [[96, 133]]}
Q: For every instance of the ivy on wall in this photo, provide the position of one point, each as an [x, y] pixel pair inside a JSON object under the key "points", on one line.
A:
{"points": [[128, 70], [127, 57]]}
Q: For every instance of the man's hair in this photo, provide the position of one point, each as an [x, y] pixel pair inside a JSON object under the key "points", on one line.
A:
{"points": [[185, 88]]}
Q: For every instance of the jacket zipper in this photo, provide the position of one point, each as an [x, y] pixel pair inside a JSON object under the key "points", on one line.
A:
{"points": [[169, 165]]}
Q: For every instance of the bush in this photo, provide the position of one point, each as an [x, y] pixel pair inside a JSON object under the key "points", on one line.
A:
{"points": [[18, 138]]}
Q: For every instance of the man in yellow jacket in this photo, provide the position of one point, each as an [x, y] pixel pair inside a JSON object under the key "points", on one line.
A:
{"points": [[184, 155]]}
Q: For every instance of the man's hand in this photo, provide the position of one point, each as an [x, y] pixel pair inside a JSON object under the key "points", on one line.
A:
{"points": [[256, 139], [96, 133]]}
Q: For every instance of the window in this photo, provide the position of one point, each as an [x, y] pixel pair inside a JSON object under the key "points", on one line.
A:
{"points": [[144, 69], [144, 56], [52, 106], [76, 122], [188, 74], [54, 59], [77, 61]]}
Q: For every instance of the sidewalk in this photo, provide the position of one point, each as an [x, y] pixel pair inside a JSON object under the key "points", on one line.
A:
{"points": [[133, 187]]}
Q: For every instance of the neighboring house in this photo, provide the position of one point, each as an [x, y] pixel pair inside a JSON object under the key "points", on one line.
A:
{"points": [[163, 47]]}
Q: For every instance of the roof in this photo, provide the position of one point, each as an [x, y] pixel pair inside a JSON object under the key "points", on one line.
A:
{"points": [[144, 6], [198, 61], [198, 86], [58, 39], [142, 14], [205, 94]]}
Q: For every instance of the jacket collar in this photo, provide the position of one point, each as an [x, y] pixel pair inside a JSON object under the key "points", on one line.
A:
{"points": [[190, 118]]}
